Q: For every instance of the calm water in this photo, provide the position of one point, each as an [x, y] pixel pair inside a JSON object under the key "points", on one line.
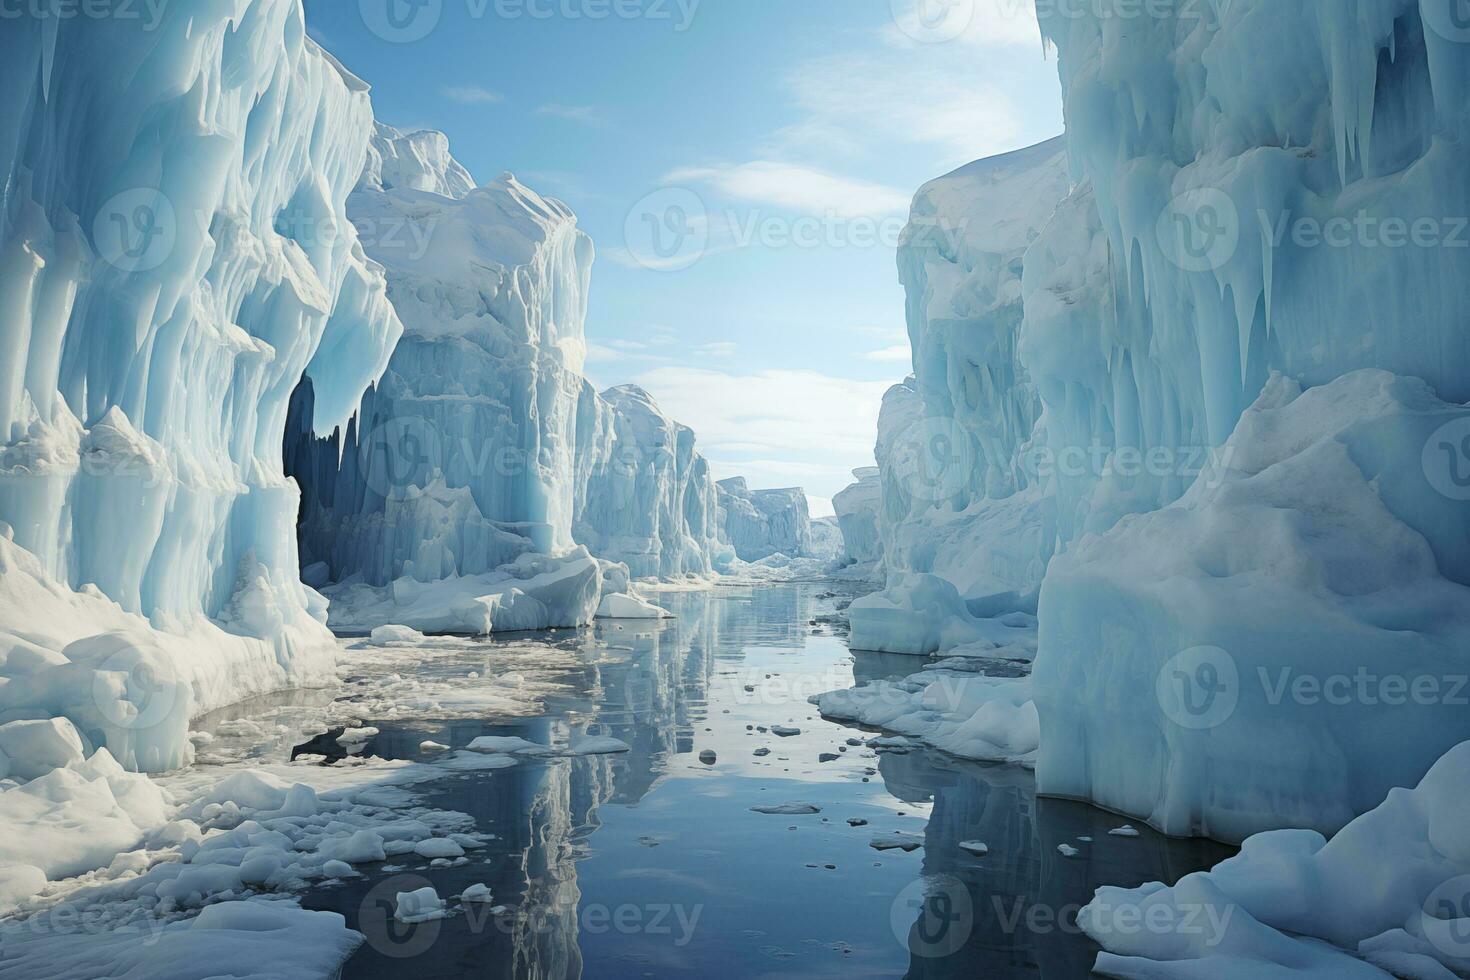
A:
{"points": [[652, 864]]}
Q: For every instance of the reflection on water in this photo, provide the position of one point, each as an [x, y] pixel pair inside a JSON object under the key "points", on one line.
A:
{"points": [[651, 863]]}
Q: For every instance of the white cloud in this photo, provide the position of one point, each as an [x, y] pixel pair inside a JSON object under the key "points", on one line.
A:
{"points": [[974, 23], [897, 354], [820, 506], [797, 188], [719, 348], [471, 95], [777, 427]]}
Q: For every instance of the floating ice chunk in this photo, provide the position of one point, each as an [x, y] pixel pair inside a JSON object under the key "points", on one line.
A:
{"points": [[361, 847], [438, 847], [388, 635], [897, 840], [1067, 850], [508, 744], [787, 809], [422, 905], [357, 736], [785, 731], [975, 847], [432, 746], [476, 893], [599, 745], [630, 607], [1127, 830], [338, 869]]}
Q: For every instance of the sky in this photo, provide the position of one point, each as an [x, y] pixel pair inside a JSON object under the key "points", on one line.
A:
{"points": [[744, 167]]}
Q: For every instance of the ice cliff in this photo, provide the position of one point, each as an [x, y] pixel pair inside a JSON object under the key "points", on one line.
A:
{"points": [[1207, 400], [484, 452], [175, 255], [762, 523]]}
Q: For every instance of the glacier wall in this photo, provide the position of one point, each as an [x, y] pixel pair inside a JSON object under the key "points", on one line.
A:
{"points": [[762, 523], [962, 496], [1210, 406], [157, 310], [483, 445], [1266, 189], [857, 509]]}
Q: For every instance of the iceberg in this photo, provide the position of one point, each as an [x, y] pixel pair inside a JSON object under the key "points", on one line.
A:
{"points": [[1188, 385], [483, 451], [175, 255], [761, 523]]}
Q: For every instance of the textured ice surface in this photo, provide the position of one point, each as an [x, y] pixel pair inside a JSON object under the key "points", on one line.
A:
{"points": [[762, 523], [174, 256], [1344, 679], [1246, 184], [1330, 540], [484, 443], [1390, 888], [858, 515]]}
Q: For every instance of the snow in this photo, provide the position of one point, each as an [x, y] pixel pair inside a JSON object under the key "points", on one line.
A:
{"points": [[34, 748], [260, 940], [77, 817], [762, 523], [1389, 888]]}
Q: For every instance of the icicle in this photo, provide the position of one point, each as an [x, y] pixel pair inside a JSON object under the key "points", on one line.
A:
{"points": [[50, 25]]}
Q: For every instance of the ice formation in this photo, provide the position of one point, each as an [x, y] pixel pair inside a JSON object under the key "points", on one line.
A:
{"points": [[175, 255], [762, 523], [1197, 398], [857, 515], [484, 450], [1386, 896]]}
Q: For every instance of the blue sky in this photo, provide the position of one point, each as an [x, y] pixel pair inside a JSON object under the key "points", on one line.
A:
{"points": [[773, 146]]}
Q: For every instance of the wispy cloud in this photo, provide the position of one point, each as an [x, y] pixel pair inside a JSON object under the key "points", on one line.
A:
{"points": [[897, 354], [718, 348], [584, 114], [777, 427], [796, 187], [471, 95]]}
